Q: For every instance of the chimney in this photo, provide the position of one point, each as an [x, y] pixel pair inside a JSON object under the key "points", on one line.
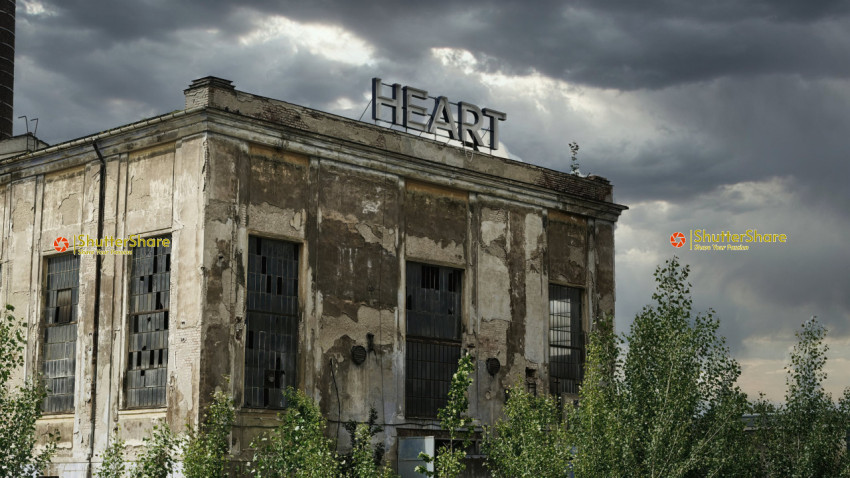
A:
{"points": [[210, 91], [7, 66]]}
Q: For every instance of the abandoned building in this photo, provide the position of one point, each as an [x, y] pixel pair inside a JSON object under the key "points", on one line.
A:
{"points": [[248, 244]]}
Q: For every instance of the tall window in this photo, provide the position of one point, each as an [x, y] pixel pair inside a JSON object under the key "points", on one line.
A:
{"points": [[147, 362], [566, 340], [272, 322], [433, 336], [60, 331]]}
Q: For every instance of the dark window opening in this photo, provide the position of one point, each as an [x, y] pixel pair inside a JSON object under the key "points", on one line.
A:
{"points": [[430, 277], [433, 336], [272, 322], [454, 281], [60, 334], [566, 340], [150, 292]]}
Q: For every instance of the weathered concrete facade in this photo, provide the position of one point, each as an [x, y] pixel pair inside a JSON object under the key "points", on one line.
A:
{"points": [[359, 201]]}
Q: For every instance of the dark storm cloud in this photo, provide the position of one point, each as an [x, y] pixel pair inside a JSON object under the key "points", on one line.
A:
{"points": [[743, 71], [92, 81], [625, 45]]}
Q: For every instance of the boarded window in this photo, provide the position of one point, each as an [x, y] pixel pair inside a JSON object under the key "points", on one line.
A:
{"points": [[566, 340], [433, 336], [147, 358], [60, 331], [272, 322]]}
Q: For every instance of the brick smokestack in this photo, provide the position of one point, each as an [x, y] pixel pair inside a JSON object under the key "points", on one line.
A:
{"points": [[7, 66]]}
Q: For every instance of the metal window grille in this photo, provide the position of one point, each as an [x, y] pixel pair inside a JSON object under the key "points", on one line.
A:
{"points": [[433, 336], [272, 322], [60, 331], [566, 340], [147, 360]]}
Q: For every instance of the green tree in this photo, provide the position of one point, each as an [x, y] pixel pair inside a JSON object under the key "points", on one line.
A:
{"points": [[206, 450], [20, 407], [157, 459], [364, 461], [671, 408], [454, 417], [113, 465], [297, 447], [530, 441], [805, 437]]}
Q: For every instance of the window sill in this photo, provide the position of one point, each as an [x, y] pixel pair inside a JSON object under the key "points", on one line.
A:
{"points": [[56, 417], [155, 412]]}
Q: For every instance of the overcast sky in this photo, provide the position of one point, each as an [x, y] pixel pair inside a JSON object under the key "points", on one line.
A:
{"points": [[722, 115]]}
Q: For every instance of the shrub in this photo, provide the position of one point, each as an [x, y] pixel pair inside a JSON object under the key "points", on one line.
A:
{"points": [[206, 450], [530, 441], [157, 459], [297, 447], [364, 461], [113, 465], [20, 407], [671, 408], [453, 417]]}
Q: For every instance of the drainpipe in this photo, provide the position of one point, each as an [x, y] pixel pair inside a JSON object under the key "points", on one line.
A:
{"points": [[96, 324]]}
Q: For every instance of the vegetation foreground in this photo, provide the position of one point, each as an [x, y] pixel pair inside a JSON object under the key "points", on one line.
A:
{"points": [[666, 406]]}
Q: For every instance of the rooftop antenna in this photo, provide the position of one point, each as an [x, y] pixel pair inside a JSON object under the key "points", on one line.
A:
{"points": [[27, 122]]}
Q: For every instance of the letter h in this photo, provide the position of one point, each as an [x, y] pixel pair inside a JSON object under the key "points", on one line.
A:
{"points": [[379, 101]]}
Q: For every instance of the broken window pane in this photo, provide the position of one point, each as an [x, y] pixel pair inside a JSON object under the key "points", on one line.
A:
{"points": [[433, 336], [60, 331], [147, 359], [566, 340], [271, 340]]}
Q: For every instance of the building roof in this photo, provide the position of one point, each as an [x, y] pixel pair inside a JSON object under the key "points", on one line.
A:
{"points": [[217, 100]]}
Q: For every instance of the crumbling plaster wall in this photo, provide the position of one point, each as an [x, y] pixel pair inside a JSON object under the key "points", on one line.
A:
{"points": [[149, 191], [38, 209], [152, 191], [357, 221], [357, 227], [511, 297]]}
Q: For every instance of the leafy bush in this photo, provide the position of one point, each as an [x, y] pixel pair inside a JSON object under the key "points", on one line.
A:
{"points": [[157, 459], [806, 436], [453, 417], [364, 464], [20, 407], [297, 447], [206, 450], [530, 441], [113, 465], [364, 461], [671, 408]]}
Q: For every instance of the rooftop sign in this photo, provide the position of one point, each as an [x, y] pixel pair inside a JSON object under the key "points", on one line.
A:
{"points": [[409, 109]]}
